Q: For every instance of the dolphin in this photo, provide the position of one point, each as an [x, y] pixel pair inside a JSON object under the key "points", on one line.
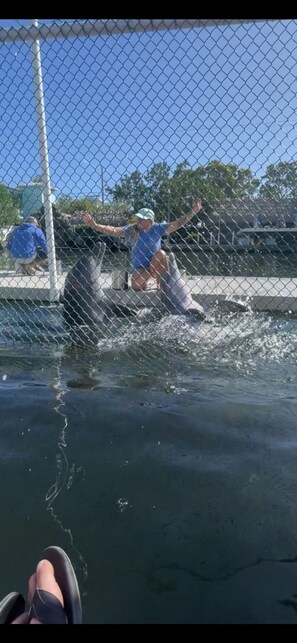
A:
{"points": [[86, 309], [176, 295]]}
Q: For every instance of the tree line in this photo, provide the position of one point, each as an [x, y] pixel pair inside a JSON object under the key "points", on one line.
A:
{"points": [[170, 193]]}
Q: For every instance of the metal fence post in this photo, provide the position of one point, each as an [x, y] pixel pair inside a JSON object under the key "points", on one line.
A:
{"points": [[43, 149]]}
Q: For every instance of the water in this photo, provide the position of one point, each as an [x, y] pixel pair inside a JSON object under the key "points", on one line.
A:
{"points": [[215, 262], [255, 264], [163, 461]]}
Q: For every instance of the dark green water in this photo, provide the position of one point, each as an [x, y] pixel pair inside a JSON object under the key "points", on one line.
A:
{"points": [[242, 264], [164, 462], [257, 264]]}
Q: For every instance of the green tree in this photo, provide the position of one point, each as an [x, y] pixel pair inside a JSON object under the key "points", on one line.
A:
{"points": [[109, 213], [172, 195], [8, 207], [185, 188], [219, 181], [131, 189], [280, 181], [69, 205], [158, 194], [156, 189]]}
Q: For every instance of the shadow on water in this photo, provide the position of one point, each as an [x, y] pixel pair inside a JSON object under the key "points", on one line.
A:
{"points": [[163, 460]]}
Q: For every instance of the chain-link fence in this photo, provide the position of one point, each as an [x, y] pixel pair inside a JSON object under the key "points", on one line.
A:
{"points": [[148, 169]]}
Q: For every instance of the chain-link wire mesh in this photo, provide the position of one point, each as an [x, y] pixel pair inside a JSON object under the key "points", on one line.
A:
{"points": [[148, 169]]}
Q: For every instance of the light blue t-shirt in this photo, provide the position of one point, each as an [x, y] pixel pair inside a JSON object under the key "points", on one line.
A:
{"points": [[144, 245]]}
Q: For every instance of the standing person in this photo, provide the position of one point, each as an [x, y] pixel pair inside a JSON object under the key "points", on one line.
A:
{"points": [[23, 245], [144, 238]]}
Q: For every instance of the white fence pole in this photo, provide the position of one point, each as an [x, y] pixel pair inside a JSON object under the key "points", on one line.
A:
{"points": [[43, 149]]}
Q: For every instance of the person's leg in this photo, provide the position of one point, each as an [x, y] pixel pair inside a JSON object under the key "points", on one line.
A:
{"points": [[158, 265], [25, 266], [28, 270], [38, 263], [53, 594], [42, 579], [40, 260], [140, 278]]}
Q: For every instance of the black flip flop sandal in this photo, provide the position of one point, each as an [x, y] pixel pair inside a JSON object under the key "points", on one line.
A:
{"points": [[11, 606]]}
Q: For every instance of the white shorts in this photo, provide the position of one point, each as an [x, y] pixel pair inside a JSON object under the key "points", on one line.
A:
{"points": [[25, 261]]}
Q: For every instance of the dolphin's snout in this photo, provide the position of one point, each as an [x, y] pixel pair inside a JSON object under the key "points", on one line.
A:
{"points": [[98, 251]]}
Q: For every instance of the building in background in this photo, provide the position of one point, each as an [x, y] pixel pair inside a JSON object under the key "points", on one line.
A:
{"points": [[31, 197]]}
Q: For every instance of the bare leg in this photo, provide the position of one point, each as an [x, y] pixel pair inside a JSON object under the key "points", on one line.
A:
{"points": [[140, 278], [158, 265], [28, 269], [39, 262], [43, 579]]}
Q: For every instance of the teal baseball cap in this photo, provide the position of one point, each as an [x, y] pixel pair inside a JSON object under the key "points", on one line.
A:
{"points": [[145, 213]]}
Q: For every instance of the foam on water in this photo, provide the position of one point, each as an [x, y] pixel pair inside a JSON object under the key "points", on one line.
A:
{"points": [[241, 342]]}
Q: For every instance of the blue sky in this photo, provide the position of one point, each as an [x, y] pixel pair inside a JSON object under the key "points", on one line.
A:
{"points": [[128, 101]]}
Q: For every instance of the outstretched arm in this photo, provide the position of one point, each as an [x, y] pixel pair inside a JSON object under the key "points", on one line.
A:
{"points": [[185, 218], [106, 229]]}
